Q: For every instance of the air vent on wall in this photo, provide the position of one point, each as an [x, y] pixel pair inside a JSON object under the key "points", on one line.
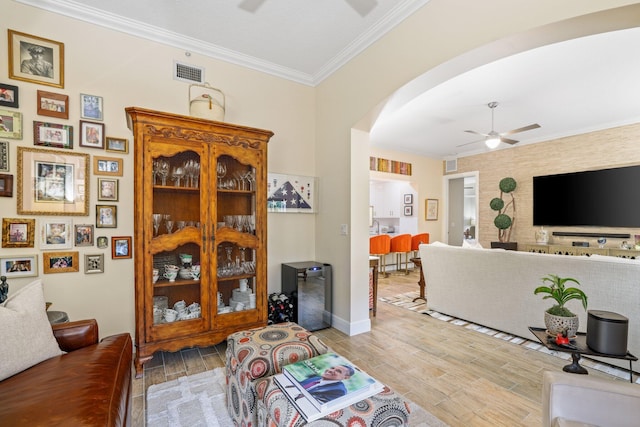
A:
{"points": [[451, 165], [188, 73]]}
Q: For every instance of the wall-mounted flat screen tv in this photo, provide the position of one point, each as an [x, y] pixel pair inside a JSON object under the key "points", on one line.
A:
{"points": [[603, 198]]}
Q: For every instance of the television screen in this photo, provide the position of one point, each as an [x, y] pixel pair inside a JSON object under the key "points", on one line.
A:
{"points": [[605, 198]]}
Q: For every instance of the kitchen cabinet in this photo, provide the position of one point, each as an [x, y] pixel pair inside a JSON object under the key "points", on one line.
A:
{"points": [[387, 199], [200, 200]]}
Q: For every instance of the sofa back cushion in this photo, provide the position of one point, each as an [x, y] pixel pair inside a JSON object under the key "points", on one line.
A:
{"points": [[26, 337]]}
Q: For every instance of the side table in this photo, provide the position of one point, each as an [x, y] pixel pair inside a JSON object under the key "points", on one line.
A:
{"points": [[579, 347], [421, 283], [373, 264], [57, 317]]}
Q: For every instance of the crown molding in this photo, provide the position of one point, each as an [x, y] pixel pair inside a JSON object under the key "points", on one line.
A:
{"points": [[135, 28]]}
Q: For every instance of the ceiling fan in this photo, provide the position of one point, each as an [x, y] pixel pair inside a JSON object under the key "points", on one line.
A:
{"points": [[363, 7], [493, 138]]}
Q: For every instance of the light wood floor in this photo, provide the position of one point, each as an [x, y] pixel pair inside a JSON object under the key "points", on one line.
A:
{"points": [[464, 377]]}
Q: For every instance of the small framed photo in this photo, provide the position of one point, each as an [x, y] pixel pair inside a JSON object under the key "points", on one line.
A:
{"points": [[6, 185], [52, 135], [431, 209], [18, 232], [10, 124], [107, 189], [107, 166], [93, 263], [56, 234], [117, 145], [91, 107], [8, 96], [35, 59], [53, 104], [91, 134], [4, 156], [19, 266], [121, 247], [408, 199], [60, 262], [408, 211], [102, 242], [106, 216], [84, 234]]}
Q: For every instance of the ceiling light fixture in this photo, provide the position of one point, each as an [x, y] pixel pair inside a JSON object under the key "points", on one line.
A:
{"points": [[492, 141]]}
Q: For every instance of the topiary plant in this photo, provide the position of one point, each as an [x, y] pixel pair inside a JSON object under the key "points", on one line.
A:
{"points": [[503, 222]]}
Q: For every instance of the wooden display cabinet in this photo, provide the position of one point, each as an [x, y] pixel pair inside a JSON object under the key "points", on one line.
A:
{"points": [[200, 190]]}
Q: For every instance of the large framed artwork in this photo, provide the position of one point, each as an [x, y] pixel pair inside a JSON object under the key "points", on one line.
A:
{"points": [[52, 182], [35, 59], [292, 193]]}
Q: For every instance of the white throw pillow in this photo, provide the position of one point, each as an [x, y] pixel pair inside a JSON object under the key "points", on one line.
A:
{"points": [[26, 337]]}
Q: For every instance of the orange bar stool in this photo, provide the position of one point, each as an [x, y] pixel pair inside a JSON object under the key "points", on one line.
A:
{"points": [[401, 244], [416, 241], [380, 246]]}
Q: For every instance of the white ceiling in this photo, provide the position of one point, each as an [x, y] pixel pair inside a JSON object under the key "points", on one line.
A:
{"points": [[572, 87]]}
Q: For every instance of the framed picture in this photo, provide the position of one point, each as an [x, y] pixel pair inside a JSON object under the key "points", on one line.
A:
{"points": [[19, 266], [6, 185], [52, 182], [431, 209], [408, 199], [292, 193], [93, 263], [117, 145], [91, 107], [53, 104], [8, 96], [10, 124], [106, 216], [120, 247], [52, 135], [108, 189], [18, 232], [83, 234], [35, 59], [102, 242], [91, 134], [107, 166], [4, 156], [56, 234], [408, 210], [60, 262]]}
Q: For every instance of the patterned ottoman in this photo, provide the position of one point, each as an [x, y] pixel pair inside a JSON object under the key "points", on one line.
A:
{"points": [[259, 353], [385, 409]]}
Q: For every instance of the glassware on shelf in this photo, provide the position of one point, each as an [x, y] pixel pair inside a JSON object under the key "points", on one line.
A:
{"points": [[221, 171], [163, 171], [169, 225], [181, 224], [157, 218], [177, 174]]}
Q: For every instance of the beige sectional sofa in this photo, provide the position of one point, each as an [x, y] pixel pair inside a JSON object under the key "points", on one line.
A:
{"points": [[494, 288]]}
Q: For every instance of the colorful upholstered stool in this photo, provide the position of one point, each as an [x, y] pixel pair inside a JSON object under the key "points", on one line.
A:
{"points": [[383, 409], [258, 353]]}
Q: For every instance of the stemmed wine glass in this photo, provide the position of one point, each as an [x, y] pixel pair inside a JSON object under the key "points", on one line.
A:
{"points": [[157, 218], [163, 170], [177, 175], [221, 171]]}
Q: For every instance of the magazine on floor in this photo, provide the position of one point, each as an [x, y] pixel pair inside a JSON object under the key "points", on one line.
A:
{"points": [[324, 384]]}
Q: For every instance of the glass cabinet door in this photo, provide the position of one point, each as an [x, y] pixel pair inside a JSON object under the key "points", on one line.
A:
{"points": [[237, 250], [176, 230]]}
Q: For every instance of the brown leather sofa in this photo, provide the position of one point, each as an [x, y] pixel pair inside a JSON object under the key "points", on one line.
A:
{"points": [[90, 385]]}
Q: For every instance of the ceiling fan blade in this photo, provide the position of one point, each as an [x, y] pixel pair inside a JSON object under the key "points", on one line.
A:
{"points": [[522, 129], [508, 141], [250, 5], [469, 143], [476, 133], [363, 7]]}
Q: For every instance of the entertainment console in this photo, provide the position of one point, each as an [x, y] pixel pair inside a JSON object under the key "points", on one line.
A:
{"points": [[581, 250]]}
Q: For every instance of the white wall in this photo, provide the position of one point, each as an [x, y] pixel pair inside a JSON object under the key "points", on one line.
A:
{"points": [[129, 71]]}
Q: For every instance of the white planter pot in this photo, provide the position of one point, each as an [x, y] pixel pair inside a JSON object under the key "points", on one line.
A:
{"points": [[558, 324]]}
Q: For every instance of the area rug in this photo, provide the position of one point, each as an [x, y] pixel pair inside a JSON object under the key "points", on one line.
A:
{"points": [[407, 302], [199, 400]]}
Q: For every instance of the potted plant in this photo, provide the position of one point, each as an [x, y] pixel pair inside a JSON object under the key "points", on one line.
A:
{"points": [[503, 221], [558, 318]]}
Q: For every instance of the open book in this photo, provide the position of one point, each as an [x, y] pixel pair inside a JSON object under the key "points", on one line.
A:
{"points": [[324, 384]]}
